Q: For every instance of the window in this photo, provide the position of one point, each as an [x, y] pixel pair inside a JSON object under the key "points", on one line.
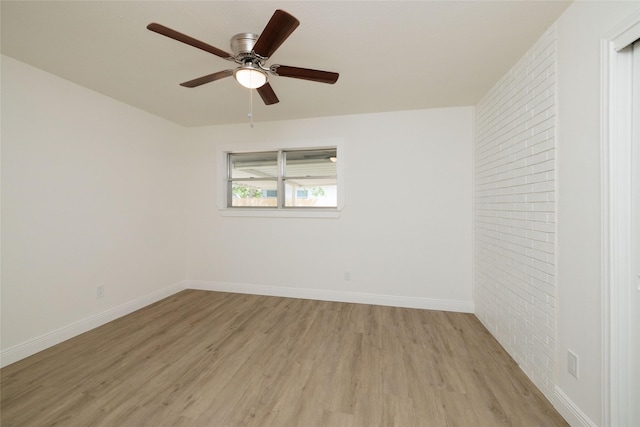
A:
{"points": [[290, 178], [296, 178]]}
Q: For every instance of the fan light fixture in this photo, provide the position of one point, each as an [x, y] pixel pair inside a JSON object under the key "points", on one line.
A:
{"points": [[250, 76]]}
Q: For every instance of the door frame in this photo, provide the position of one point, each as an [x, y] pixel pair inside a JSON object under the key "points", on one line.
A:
{"points": [[617, 240]]}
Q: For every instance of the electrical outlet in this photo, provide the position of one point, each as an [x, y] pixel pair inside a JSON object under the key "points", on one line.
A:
{"points": [[347, 275], [572, 363], [100, 291]]}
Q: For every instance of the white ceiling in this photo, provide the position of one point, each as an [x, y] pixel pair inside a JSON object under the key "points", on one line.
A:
{"points": [[391, 55]]}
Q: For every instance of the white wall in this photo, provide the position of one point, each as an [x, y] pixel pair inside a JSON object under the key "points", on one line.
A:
{"points": [[515, 212], [580, 30], [92, 193], [404, 234]]}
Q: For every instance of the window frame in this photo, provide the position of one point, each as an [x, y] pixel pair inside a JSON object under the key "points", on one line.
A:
{"points": [[223, 179]]}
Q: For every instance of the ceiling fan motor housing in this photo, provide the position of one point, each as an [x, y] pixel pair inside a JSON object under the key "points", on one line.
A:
{"points": [[242, 45]]}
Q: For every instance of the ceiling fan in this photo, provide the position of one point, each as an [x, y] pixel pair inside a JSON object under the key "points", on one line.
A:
{"points": [[251, 52]]}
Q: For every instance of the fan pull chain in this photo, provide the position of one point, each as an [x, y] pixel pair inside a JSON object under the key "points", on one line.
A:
{"points": [[250, 107]]}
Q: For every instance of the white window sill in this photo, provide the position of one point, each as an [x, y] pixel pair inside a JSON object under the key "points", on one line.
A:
{"points": [[280, 213]]}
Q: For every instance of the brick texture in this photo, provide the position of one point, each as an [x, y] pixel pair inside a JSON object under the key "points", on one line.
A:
{"points": [[515, 212]]}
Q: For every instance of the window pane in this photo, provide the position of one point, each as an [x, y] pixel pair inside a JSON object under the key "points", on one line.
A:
{"points": [[309, 163], [255, 194], [254, 165], [311, 193]]}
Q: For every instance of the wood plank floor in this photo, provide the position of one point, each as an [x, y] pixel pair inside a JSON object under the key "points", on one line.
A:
{"points": [[217, 359]]}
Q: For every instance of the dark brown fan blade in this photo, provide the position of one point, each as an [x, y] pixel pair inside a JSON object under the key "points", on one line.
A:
{"points": [[267, 94], [305, 74], [207, 79], [278, 29], [166, 31]]}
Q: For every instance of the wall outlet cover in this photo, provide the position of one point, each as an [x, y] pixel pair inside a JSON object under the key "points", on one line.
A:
{"points": [[572, 363]]}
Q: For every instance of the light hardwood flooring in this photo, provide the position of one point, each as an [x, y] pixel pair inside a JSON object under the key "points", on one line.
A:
{"points": [[218, 359]]}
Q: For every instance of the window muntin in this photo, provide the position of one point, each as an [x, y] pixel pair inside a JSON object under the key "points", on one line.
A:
{"points": [[283, 179]]}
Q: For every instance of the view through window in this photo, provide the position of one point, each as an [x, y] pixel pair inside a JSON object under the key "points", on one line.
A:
{"points": [[283, 179]]}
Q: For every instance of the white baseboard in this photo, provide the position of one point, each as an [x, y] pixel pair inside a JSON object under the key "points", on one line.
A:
{"points": [[570, 411], [338, 296], [28, 348]]}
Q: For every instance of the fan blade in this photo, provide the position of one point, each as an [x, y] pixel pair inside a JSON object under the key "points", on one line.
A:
{"points": [[267, 94], [279, 28], [166, 31], [207, 79], [305, 74]]}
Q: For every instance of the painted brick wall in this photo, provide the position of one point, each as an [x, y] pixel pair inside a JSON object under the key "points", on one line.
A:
{"points": [[515, 212]]}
